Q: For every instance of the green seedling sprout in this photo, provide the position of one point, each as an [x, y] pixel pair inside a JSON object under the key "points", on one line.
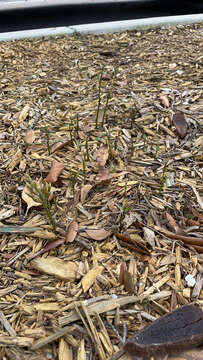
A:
{"points": [[163, 177], [99, 98], [84, 166], [87, 149], [41, 193], [77, 124], [46, 131], [157, 150], [109, 94], [132, 115], [74, 177]]}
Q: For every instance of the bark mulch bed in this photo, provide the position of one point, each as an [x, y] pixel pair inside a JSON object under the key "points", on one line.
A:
{"points": [[101, 211]]}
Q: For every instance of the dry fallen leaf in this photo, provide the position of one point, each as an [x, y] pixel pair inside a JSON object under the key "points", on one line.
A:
{"points": [[59, 145], [102, 155], [54, 172], [149, 236], [164, 100], [29, 137], [24, 113], [89, 278], [27, 198], [98, 234], [84, 191], [103, 176], [50, 246], [64, 270], [123, 268], [180, 124], [72, 231], [129, 282]]}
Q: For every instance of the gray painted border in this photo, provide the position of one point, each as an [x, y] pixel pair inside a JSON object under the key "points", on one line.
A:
{"points": [[106, 27]]}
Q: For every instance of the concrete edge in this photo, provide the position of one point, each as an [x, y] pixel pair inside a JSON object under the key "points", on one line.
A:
{"points": [[39, 4], [106, 27]]}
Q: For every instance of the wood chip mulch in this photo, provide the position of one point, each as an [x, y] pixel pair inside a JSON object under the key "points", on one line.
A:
{"points": [[119, 242]]}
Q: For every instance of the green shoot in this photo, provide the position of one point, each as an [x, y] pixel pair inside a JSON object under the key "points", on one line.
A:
{"points": [[74, 177], [99, 98], [87, 149], [41, 193], [163, 177], [84, 167], [109, 94], [157, 150], [46, 131]]}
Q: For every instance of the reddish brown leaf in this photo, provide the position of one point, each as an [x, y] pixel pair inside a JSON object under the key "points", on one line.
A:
{"points": [[84, 191], [102, 155], [172, 221], [103, 176], [54, 172], [59, 145], [129, 282], [98, 234], [164, 100], [29, 137], [123, 268], [181, 124], [197, 214], [72, 231], [190, 240], [50, 246], [133, 244]]}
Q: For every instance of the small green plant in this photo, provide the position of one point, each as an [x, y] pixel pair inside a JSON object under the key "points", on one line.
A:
{"points": [[41, 193], [125, 210], [84, 166], [74, 178], [157, 150], [109, 94], [46, 131], [87, 149], [77, 128], [132, 115], [163, 177], [99, 98]]}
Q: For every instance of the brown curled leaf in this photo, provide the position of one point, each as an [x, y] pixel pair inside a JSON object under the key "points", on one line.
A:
{"points": [[50, 246], [102, 155], [59, 145], [123, 268], [133, 244], [29, 137], [54, 172], [84, 191], [180, 124], [164, 100], [72, 231], [190, 240], [98, 234]]}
